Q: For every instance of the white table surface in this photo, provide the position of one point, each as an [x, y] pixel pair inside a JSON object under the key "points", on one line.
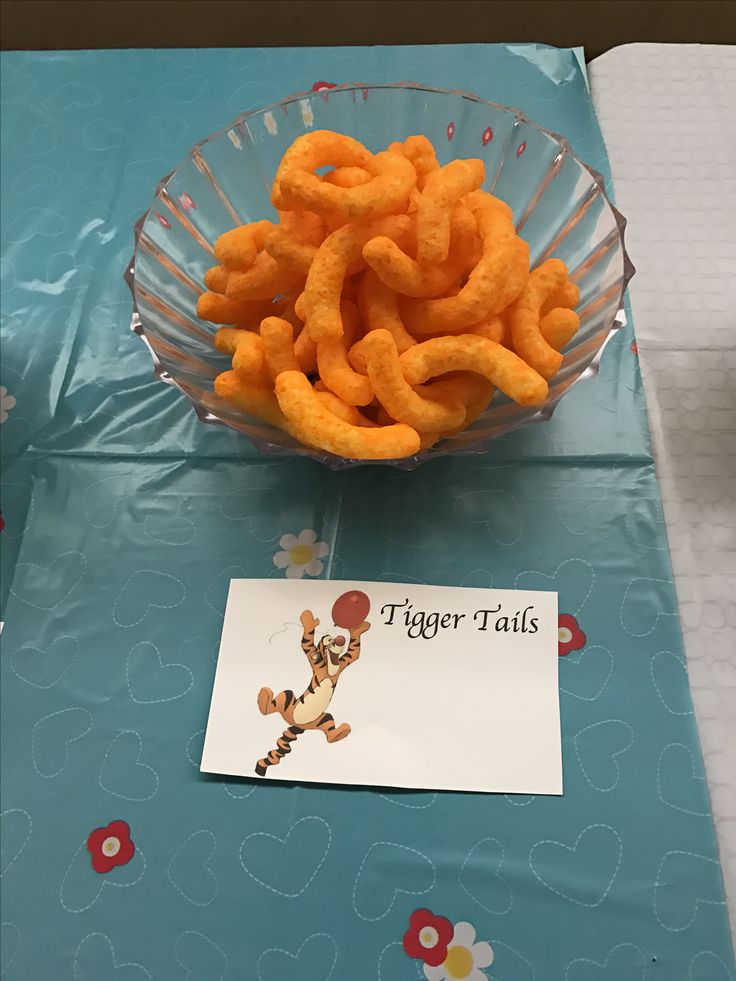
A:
{"points": [[668, 115]]}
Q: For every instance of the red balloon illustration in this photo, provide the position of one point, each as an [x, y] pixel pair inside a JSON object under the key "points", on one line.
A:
{"points": [[350, 609]]}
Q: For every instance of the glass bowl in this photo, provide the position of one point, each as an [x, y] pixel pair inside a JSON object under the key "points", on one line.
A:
{"points": [[559, 203]]}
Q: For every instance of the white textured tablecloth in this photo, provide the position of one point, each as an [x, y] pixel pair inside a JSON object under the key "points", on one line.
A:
{"points": [[668, 114]]}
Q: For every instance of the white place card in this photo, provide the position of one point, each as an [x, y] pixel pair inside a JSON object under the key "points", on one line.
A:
{"points": [[388, 684]]}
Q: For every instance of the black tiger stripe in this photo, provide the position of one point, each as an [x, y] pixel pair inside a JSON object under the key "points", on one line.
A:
{"points": [[283, 746], [288, 699]]}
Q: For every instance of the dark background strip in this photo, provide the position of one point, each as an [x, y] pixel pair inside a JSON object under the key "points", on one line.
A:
{"points": [[596, 24]]}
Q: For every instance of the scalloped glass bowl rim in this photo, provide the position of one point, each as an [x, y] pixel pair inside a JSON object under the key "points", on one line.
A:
{"points": [[544, 414]]}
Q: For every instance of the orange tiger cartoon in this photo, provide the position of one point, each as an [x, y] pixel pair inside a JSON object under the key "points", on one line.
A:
{"points": [[308, 710]]}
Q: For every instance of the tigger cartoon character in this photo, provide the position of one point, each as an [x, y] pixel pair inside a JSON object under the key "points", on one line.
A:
{"points": [[308, 710]]}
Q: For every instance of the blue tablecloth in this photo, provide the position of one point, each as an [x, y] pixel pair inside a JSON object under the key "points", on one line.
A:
{"points": [[124, 519]]}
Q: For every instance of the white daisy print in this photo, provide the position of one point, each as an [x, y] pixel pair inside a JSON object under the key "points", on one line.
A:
{"points": [[301, 554], [465, 959], [7, 402]]}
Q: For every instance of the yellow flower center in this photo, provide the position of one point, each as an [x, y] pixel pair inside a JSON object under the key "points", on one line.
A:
{"points": [[300, 554], [459, 962], [111, 846], [565, 635], [428, 937]]}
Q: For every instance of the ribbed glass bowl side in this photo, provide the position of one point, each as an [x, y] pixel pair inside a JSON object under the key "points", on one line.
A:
{"points": [[560, 208]]}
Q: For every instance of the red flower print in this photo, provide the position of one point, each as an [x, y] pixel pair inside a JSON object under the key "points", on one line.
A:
{"points": [[323, 88], [450, 130], [487, 136], [634, 347], [428, 937], [110, 846], [2, 522], [571, 637], [186, 202], [520, 149], [162, 220]]}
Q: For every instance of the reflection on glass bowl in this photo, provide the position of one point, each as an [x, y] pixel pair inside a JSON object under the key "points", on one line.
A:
{"points": [[560, 208]]}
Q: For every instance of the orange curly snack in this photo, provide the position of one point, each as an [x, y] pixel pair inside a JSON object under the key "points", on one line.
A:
{"points": [[324, 286], [320, 148], [379, 307], [524, 318], [420, 151], [288, 312], [568, 295], [227, 339], [305, 352], [559, 327], [254, 398], [215, 279], [388, 282], [493, 329], [249, 359], [335, 369], [265, 278], [289, 252], [348, 176], [348, 413], [444, 187], [466, 352], [278, 346], [387, 193], [494, 283], [225, 310], [405, 275], [315, 425], [396, 394], [238, 248]]}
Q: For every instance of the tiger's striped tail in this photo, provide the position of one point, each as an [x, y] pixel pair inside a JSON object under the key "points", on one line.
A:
{"points": [[283, 746]]}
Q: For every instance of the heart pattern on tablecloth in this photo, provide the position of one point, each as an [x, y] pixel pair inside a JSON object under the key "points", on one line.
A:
{"points": [[480, 877], [584, 674], [48, 586], [151, 680], [16, 825], [44, 668], [669, 676], [676, 909], [10, 940], [123, 774], [201, 958], [388, 870], [625, 960], [287, 865], [95, 959], [145, 591], [315, 959], [495, 510], [598, 748], [582, 872], [190, 870], [81, 887], [53, 738]]}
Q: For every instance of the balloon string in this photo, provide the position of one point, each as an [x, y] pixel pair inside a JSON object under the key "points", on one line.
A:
{"points": [[286, 625]]}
